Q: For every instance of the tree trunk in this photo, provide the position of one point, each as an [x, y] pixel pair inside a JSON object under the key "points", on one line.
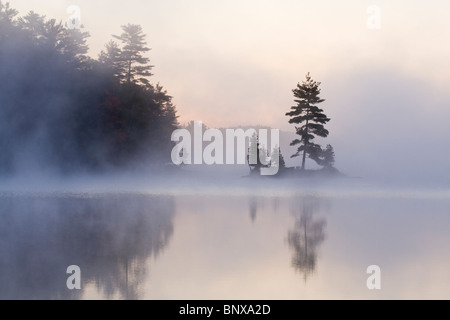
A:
{"points": [[306, 144], [129, 72]]}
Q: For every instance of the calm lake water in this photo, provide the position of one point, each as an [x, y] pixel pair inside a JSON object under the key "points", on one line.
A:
{"points": [[304, 246]]}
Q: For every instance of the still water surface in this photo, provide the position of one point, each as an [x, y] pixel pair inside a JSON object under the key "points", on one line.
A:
{"points": [[137, 246]]}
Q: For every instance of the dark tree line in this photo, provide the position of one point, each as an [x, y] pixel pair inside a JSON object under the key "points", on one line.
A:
{"points": [[62, 109]]}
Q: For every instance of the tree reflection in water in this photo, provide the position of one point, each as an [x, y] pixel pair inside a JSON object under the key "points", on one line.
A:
{"points": [[307, 235], [109, 237], [253, 208]]}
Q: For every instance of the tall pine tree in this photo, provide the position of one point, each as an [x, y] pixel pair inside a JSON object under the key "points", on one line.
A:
{"points": [[111, 57], [137, 67], [7, 19], [311, 118]]}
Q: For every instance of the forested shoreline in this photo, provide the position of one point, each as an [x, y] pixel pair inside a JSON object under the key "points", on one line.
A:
{"points": [[61, 109]]}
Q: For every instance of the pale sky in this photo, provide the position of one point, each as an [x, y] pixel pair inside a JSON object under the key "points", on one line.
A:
{"points": [[236, 61]]}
